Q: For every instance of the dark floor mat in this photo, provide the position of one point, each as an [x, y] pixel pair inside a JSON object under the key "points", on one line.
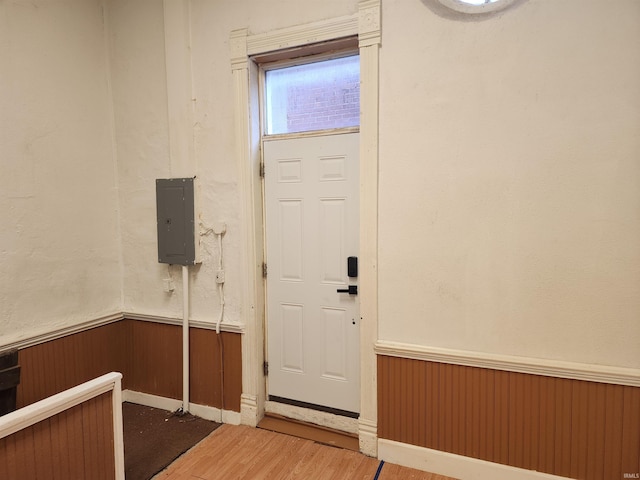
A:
{"points": [[153, 438]]}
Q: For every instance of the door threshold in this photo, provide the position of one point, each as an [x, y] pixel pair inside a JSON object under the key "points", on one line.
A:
{"points": [[313, 406], [309, 431], [339, 423]]}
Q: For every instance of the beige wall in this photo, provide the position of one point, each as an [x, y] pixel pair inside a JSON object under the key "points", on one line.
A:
{"points": [[59, 241], [508, 144], [510, 147], [137, 32], [136, 47]]}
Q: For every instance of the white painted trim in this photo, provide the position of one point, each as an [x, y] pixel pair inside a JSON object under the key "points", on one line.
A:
{"points": [[50, 406], [250, 413], [368, 437], [36, 412], [224, 326], [171, 405], [63, 332], [369, 38], [451, 465], [232, 418], [116, 317], [248, 163], [534, 366], [149, 400], [215, 414], [118, 433], [208, 413], [367, 25], [301, 35], [324, 419]]}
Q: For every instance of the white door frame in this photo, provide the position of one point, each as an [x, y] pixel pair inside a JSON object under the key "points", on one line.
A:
{"points": [[243, 46]]}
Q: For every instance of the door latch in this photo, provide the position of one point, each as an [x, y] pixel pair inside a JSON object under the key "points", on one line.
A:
{"points": [[352, 267], [352, 290]]}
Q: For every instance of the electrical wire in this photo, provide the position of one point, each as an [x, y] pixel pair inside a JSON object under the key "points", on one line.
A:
{"points": [[218, 335], [221, 351]]}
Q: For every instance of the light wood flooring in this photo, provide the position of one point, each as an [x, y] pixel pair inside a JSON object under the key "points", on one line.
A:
{"points": [[240, 452]]}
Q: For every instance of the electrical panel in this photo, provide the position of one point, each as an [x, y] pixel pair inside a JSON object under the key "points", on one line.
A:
{"points": [[175, 207]]}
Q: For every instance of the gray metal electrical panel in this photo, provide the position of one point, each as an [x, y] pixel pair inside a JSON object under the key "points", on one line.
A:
{"points": [[175, 206]]}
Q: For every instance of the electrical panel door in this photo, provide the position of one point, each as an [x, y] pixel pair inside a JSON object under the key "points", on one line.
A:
{"points": [[175, 208]]}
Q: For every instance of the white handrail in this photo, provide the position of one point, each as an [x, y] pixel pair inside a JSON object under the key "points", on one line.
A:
{"points": [[48, 407]]}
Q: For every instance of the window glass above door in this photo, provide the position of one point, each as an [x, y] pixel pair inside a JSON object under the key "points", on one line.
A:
{"points": [[314, 96]]}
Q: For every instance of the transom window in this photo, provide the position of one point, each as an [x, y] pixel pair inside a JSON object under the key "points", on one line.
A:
{"points": [[314, 96]]}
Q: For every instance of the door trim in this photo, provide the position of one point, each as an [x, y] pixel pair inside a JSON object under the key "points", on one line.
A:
{"points": [[366, 24]]}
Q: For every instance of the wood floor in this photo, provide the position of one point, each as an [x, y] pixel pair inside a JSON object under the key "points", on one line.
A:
{"points": [[240, 452]]}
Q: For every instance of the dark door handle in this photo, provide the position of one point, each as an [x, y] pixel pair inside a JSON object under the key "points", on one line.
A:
{"points": [[352, 290]]}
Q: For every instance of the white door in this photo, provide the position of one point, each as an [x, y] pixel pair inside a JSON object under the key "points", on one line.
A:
{"points": [[312, 208]]}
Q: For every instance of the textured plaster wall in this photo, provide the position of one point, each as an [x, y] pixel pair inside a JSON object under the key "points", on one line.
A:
{"points": [[510, 146], [59, 240], [509, 143], [137, 45]]}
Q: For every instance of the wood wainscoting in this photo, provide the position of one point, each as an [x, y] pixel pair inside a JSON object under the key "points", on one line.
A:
{"points": [[148, 354], [57, 365], [571, 428], [76, 443]]}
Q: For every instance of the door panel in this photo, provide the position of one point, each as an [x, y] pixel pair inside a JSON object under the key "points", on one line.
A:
{"points": [[312, 207]]}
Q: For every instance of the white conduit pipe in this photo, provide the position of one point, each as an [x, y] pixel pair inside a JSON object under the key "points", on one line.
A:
{"points": [[220, 285], [185, 339]]}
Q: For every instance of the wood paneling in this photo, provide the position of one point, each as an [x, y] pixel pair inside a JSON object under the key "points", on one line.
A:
{"points": [[54, 366], [232, 371], [155, 359], [216, 366], [571, 428], [206, 373], [148, 354], [77, 443]]}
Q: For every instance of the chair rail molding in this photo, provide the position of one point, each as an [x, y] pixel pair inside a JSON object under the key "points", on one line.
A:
{"points": [[534, 366]]}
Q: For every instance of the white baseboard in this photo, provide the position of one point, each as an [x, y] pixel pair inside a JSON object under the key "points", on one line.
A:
{"points": [[148, 400], [215, 414], [456, 466], [170, 404]]}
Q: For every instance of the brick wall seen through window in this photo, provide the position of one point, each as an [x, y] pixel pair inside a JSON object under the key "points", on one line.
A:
{"points": [[314, 96]]}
